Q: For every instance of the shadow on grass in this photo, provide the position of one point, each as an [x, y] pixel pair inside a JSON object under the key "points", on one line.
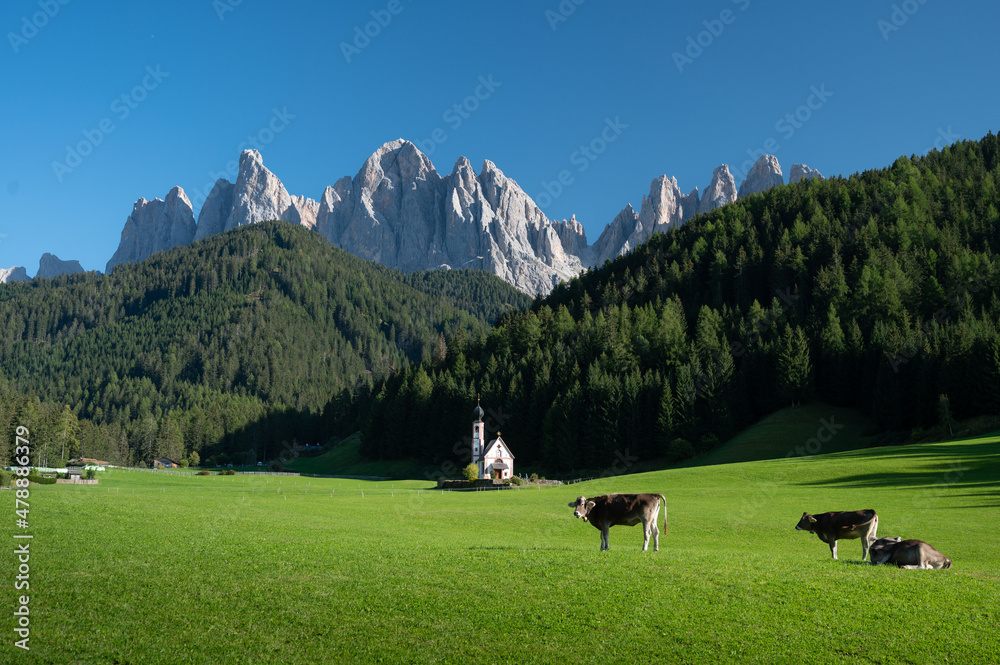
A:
{"points": [[854, 562], [969, 466]]}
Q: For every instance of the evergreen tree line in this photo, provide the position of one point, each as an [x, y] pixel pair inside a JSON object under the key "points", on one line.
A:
{"points": [[236, 345], [877, 291]]}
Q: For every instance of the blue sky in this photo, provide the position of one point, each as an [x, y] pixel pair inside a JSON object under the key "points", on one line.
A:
{"points": [[165, 94]]}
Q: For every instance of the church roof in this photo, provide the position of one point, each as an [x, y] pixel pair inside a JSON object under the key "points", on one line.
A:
{"points": [[501, 442]]}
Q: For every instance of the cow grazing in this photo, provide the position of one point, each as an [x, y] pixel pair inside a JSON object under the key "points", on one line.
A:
{"points": [[912, 554], [834, 526], [609, 510]]}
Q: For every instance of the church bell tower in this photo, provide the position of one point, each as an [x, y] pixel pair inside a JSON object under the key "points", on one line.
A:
{"points": [[478, 437]]}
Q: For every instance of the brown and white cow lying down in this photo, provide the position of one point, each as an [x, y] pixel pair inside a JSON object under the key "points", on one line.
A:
{"points": [[834, 526], [911, 554], [609, 510]]}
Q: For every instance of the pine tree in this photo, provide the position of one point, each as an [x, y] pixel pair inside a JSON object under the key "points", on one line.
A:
{"points": [[794, 366]]}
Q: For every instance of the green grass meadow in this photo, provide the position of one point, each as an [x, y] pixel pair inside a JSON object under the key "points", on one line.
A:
{"points": [[156, 568]]}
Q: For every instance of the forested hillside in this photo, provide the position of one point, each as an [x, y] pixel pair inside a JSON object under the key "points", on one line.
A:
{"points": [[877, 291], [234, 344]]}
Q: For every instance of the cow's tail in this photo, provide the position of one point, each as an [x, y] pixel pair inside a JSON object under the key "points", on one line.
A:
{"points": [[874, 518], [664, 499]]}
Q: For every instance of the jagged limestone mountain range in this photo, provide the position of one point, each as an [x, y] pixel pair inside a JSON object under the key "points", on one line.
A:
{"points": [[398, 210]]}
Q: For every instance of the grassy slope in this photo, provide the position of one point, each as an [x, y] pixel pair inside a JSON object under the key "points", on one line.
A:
{"points": [[792, 431], [346, 460], [155, 568]]}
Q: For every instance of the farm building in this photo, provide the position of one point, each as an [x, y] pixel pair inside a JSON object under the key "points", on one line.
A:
{"points": [[165, 462], [494, 459]]}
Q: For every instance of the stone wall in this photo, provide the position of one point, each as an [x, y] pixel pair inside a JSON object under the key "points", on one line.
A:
{"points": [[481, 483]]}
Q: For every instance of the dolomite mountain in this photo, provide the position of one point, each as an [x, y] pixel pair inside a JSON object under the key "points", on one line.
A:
{"points": [[802, 172], [155, 226], [665, 207], [51, 266], [14, 274], [256, 196], [763, 175], [398, 210], [720, 191]]}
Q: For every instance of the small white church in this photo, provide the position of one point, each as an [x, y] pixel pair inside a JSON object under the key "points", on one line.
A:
{"points": [[494, 458]]}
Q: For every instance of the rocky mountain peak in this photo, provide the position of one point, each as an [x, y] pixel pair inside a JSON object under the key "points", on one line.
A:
{"points": [[463, 176], [51, 266], [14, 274], [215, 210], [258, 194], [394, 163], [250, 159], [763, 175], [720, 191], [155, 226], [303, 211], [662, 208], [573, 238], [802, 172], [617, 236], [399, 211]]}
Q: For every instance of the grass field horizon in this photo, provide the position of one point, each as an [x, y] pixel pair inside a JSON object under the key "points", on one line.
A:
{"points": [[150, 568]]}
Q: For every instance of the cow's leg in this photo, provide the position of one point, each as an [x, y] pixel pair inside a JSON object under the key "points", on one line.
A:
{"points": [[604, 539], [833, 548], [656, 537], [865, 544], [645, 536]]}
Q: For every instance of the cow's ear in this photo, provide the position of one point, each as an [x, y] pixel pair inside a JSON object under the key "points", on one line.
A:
{"points": [[899, 539], [811, 519], [590, 504], [571, 504]]}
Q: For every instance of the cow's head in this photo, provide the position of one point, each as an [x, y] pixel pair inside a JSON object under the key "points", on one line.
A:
{"points": [[581, 507], [806, 523], [880, 549]]}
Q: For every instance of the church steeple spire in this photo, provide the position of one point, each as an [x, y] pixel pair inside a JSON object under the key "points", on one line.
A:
{"points": [[478, 437]]}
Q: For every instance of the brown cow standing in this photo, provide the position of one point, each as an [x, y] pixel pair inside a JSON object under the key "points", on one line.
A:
{"points": [[609, 510], [834, 526]]}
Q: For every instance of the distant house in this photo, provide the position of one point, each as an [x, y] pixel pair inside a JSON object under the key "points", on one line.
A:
{"points": [[493, 459], [166, 463]]}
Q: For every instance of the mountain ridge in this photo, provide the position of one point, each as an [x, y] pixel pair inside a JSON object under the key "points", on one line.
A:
{"points": [[399, 210]]}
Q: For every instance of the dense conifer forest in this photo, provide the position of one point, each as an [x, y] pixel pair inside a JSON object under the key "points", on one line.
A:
{"points": [[877, 291], [234, 346]]}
